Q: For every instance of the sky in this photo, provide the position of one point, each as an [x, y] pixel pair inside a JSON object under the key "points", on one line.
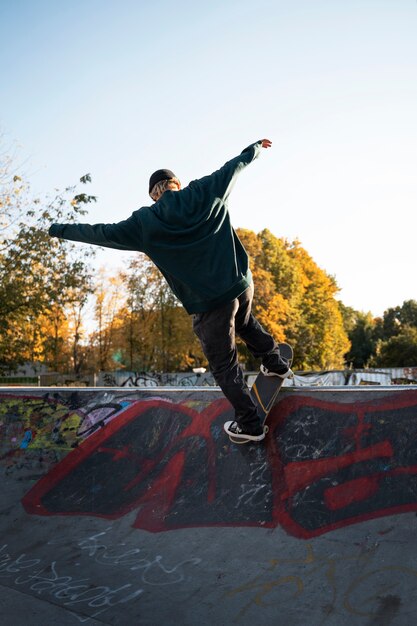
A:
{"points": [[120, 88]]}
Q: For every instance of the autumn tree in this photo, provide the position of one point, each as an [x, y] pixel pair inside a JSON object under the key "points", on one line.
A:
{"points": [[295, 300], [38, 275], [320, 341], [271, 306], [110, 296], [157, 333]]}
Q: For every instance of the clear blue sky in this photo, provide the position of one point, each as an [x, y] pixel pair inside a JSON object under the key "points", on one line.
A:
{"points": [[121, 88]]}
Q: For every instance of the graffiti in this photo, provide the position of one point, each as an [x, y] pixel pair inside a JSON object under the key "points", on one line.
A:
{"points": [[78, 593], [255, 491], [33, 463], [81, 594], [153, 571], [410, 373], [146, 379], [26, 440], [143, 379], [140, 380], [296, 576], [381, 377], [107, 380], [196, 380], [52, 420], [324, 465]]}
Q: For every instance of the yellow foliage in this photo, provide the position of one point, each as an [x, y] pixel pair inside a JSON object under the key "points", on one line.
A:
{"points": [[295, 300], [141, 326]]}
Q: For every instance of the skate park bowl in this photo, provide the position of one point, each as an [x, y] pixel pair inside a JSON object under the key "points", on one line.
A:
{"points": [[131, 506]]}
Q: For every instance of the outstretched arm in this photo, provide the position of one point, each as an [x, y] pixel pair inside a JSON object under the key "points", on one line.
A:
{"points": [[125, 235], [221, 181]]}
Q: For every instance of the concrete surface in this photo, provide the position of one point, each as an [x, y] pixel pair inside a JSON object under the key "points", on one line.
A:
{"points": [[132, 507]]}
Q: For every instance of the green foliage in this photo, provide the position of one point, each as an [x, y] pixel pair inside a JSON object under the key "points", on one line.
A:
{"points": [[398, 351], [396, 337], [363, 341], [349, 316], [382, 342], [395, 319]]}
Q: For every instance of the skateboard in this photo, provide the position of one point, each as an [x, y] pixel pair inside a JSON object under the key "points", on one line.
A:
{"points": [[265, 390]]}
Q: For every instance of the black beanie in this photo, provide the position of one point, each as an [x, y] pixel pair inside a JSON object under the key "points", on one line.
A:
{"points": [[158, 176]]}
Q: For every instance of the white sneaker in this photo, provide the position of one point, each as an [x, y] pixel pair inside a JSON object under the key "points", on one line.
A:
{"points": [[234, 430], [266, 372]]}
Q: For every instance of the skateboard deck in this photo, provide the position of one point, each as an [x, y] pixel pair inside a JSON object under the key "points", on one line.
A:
{"points": [[265, 390]]}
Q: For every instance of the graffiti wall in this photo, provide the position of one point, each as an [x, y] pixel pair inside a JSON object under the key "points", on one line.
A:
{"points": [[130, 379], [148, 379], [331, 459], [382, 377]]}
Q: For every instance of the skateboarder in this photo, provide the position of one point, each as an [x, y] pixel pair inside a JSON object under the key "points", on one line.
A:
{"points": [[188, 235]]}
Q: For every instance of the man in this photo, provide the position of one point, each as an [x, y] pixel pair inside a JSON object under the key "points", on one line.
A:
{"points": [[188, 235]]}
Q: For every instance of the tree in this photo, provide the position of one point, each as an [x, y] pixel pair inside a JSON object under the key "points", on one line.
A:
{"points": [[399, 350], [295, 300], [13, 192], [363, 341], [110, 297], [320, 341], [396, 318], [408, 313], [39, 276], [156, 334], [395, 336]]}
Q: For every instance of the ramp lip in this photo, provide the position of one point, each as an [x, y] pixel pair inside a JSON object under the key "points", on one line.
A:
{"points": [[166, 389], [90, 389], [352, 388]]}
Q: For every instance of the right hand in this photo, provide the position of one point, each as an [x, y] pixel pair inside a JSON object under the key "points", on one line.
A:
{"points": [[266, 143]]}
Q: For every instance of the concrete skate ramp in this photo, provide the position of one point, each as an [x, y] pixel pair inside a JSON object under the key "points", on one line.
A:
{"points": [[132, 507]]}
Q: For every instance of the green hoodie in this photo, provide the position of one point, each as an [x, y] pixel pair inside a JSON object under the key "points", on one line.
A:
{"points": [[188, 235]]}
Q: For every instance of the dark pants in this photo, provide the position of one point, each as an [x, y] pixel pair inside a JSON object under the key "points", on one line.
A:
{"points": [[216, 331]]}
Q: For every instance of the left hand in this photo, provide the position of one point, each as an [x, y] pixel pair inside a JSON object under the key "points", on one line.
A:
{"points": [[266, 143]]}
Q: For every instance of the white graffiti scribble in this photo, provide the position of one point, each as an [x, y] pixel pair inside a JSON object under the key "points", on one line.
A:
{"points": [[46, 578]]}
